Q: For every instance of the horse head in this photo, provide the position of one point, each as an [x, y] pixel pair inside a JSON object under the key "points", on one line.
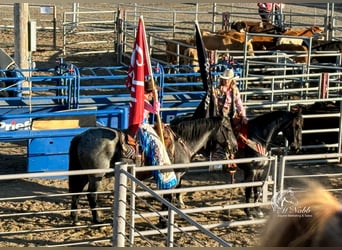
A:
{"points": [[293, 132]]}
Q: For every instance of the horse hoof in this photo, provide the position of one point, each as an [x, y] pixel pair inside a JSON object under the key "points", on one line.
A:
{"points": [[248, 214], [250, 217], [74, 219], [181, 205], [260, 214], [97, 221], [96, 217], [77, 223], [162, 224], [178, 203]]}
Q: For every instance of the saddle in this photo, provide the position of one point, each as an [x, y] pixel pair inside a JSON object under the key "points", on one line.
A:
{"points": [[169, 138], [131, 148]]}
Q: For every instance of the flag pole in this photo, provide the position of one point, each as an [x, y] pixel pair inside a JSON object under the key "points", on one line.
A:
{"points": [[155, 94]]}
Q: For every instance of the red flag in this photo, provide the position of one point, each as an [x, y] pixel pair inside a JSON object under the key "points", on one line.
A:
{"points": [[137, 71]]}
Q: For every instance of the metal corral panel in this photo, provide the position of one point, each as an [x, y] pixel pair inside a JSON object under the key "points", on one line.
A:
{"points": [[48, 150], [48, 154]]}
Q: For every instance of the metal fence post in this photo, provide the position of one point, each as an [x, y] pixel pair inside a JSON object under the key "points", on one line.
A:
{"points": [[170, 227], [119, 31], [119, 206], [75, 16]]}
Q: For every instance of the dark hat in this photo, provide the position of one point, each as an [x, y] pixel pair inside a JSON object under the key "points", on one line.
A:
{"points": [[149, 85]]}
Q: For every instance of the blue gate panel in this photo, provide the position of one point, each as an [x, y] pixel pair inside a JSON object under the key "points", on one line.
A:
{"points": [[48, 154], [110, 117], [18, 118], [48, 151]]}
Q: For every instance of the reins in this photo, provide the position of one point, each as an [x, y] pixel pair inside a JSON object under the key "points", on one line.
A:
{"points": [[179, 139]]}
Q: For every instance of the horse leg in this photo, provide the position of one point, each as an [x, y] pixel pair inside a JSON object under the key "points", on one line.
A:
{"points": [[180, 201], [163, 220], [76, 185], [169, 197], [248, 194], [256, 192], [179, 196], [248, 177], [94, 186]]}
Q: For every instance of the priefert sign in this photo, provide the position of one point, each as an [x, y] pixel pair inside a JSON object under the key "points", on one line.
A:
{"points": [[12, 125]]}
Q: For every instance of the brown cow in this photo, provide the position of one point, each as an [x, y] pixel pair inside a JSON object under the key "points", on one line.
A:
{"points": [[239, 26], [291, 48], [191, 58], [314, 31], [231, 33], [263, 42], [264, 27], [304, 32], [226, 42], [257, 27], [259, 42], [269, 42], [171, 49]]}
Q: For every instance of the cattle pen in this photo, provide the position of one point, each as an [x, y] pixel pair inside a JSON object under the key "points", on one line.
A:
{"points": [[35, 129]]}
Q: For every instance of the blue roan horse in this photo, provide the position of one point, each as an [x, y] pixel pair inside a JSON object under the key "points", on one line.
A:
{"points": [[101, 147], [264, 130]]}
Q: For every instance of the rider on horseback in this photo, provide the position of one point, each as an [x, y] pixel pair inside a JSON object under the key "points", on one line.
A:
{"points": [[230, 104], [229, 101], [150, 141]]}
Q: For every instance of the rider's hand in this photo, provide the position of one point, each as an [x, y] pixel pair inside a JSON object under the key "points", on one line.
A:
{"points": [[156, 107]]}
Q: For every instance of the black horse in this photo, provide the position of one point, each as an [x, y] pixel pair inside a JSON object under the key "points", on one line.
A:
{"points": [[262, 134], [101, 147]]}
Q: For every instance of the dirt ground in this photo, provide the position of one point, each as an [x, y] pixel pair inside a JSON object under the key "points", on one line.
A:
{"points": [[34, 188], [13, 161]]}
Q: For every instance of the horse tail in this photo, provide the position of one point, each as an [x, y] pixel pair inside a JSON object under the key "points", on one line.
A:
{"points": [[74, 163], [75, 181]]}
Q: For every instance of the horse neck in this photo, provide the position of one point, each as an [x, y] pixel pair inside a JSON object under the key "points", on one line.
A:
{"points": [[270, 131], [195, 143], [199, 142], [268, 137]]}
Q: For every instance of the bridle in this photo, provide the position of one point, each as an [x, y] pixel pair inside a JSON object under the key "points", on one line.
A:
{"points": [[297, 124], [173, 137]]}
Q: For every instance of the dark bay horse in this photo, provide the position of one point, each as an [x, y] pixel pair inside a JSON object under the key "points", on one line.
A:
{"points": [[101, 147], [263, 130]]}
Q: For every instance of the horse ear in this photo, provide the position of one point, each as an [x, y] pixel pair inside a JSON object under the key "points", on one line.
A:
{"points": [[300, 110], [297, 108]]}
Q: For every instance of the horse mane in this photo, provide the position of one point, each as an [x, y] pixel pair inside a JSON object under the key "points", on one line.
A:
{"points": [[269, 117], [189, 128]]}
